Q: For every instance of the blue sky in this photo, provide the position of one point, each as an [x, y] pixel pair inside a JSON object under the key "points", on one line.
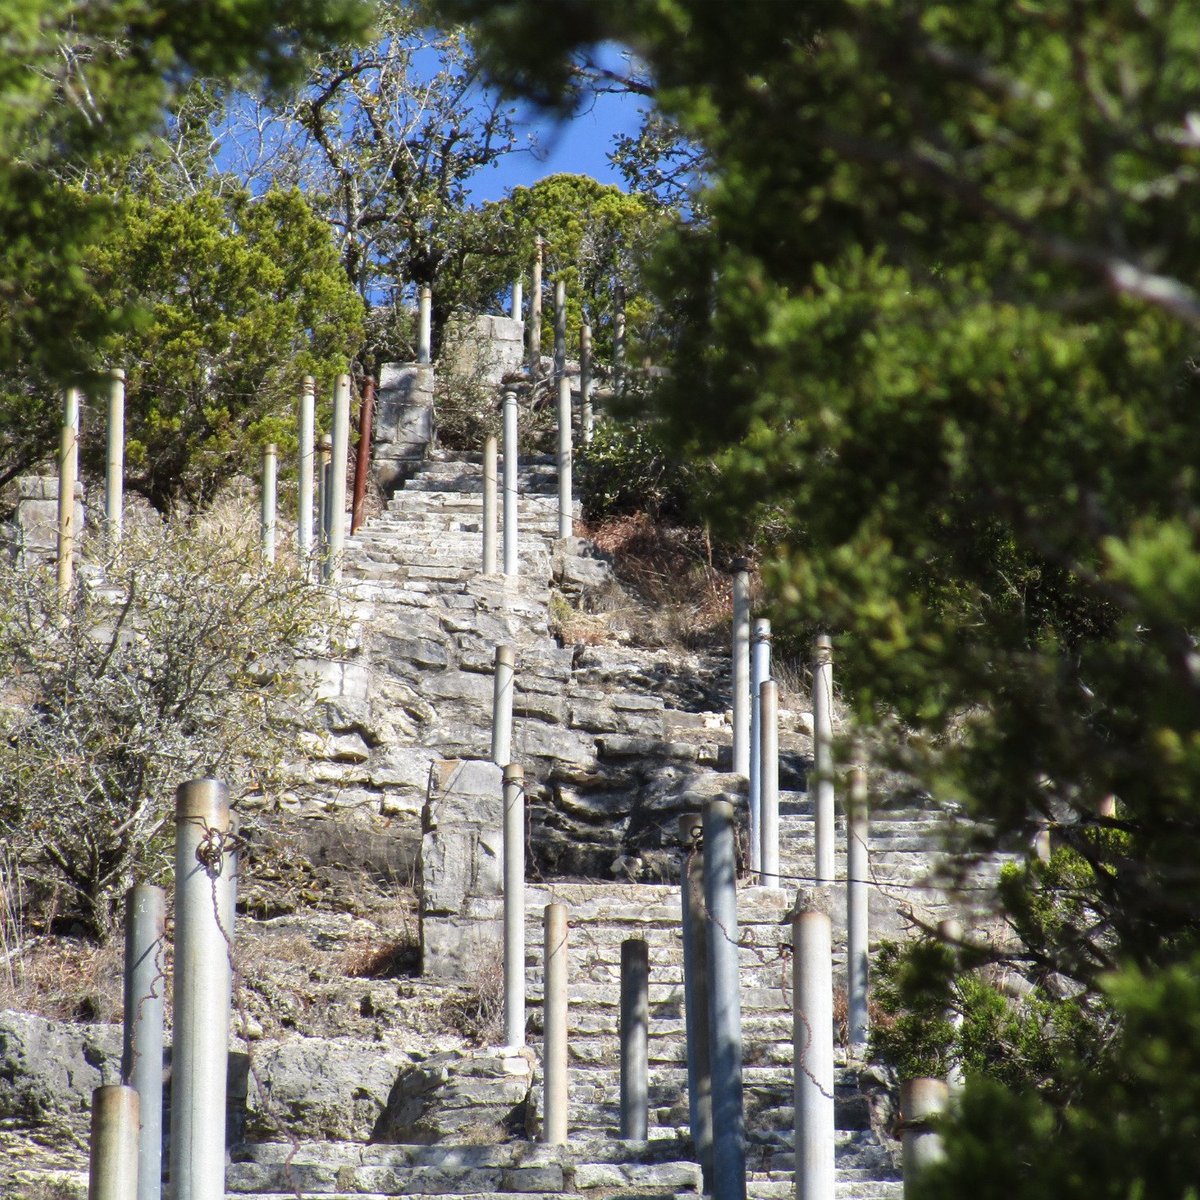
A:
{"points": [[580, 146]]}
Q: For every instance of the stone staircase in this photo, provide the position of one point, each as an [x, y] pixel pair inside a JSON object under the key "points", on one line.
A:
{"points": [[595, 728]]}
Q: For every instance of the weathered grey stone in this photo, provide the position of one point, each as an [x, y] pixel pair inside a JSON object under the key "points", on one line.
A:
{"points": [[624, 701], [36, 518], [616, 745], [424, 653], [676, 1177], [459, 685], [539, 705], [402, 767], [323, 1088], [574, 751], [48, 1068], [403, 425], [577, 573], [338, 748], [460, 862], [483, 349], [436, 1098], [601, 717]]}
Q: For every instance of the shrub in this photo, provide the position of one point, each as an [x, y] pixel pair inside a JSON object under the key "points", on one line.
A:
{"points": [[171, 663], [630, 468]]}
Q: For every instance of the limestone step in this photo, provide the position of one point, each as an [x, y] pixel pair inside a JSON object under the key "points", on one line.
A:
{"points": [[418, 564], [855, 1189], [514, 1168]]}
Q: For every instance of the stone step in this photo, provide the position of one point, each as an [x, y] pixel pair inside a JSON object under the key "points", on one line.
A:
{"points": [[600, 1190], [665, 1034], [853, 1189], [515, 1153], [771, 1079], [418, 564], [663, 997], [554, 1178]]}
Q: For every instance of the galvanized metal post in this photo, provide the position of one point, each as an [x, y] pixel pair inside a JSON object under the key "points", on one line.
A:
{"points": [[534, 325], [324, 468], [425, 325], [823, 805], [858, 868], [618, 370], [769, 805], [760, 670], [490, 463], [362, 462], [1042, 845], [812, 992], [587, 418], [635, 1033], [336, 494], [114, 463], [560, 328], [518, 299], [304, 487], [502, 705], [270, 462], [68, 476], [204, 880], [922, 1101], [514, 905], [511, 499], [741, 667], [554, 1049], [950, 933], [113, 1161], [142, 1043], [566, 524], [695, 992], [724, 1002]]}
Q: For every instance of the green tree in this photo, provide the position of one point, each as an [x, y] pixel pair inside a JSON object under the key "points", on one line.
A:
{"points": [[595, 237], [241, 298], [385, 141], [78, 83], [940, 317]]}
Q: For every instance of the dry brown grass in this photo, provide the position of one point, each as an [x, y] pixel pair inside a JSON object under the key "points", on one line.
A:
{"points": [[575, 627], [382, 958], [476, 1012], [65, 979], [47, 1189], [671, 568]]}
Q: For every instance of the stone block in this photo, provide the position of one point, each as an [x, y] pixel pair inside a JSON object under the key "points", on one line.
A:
{"points": [[460, 865], [455, 778], [483, 349], [540, 706], [48, 1069], [403, 425], [576, 573], [322, 675], [423, 653], [446, 1093], [356, 681], [37, 514], [335, 1089], [405, 767], [460, 685]]}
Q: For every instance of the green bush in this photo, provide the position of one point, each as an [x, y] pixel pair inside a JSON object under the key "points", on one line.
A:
{"points": [[629, 468]]}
